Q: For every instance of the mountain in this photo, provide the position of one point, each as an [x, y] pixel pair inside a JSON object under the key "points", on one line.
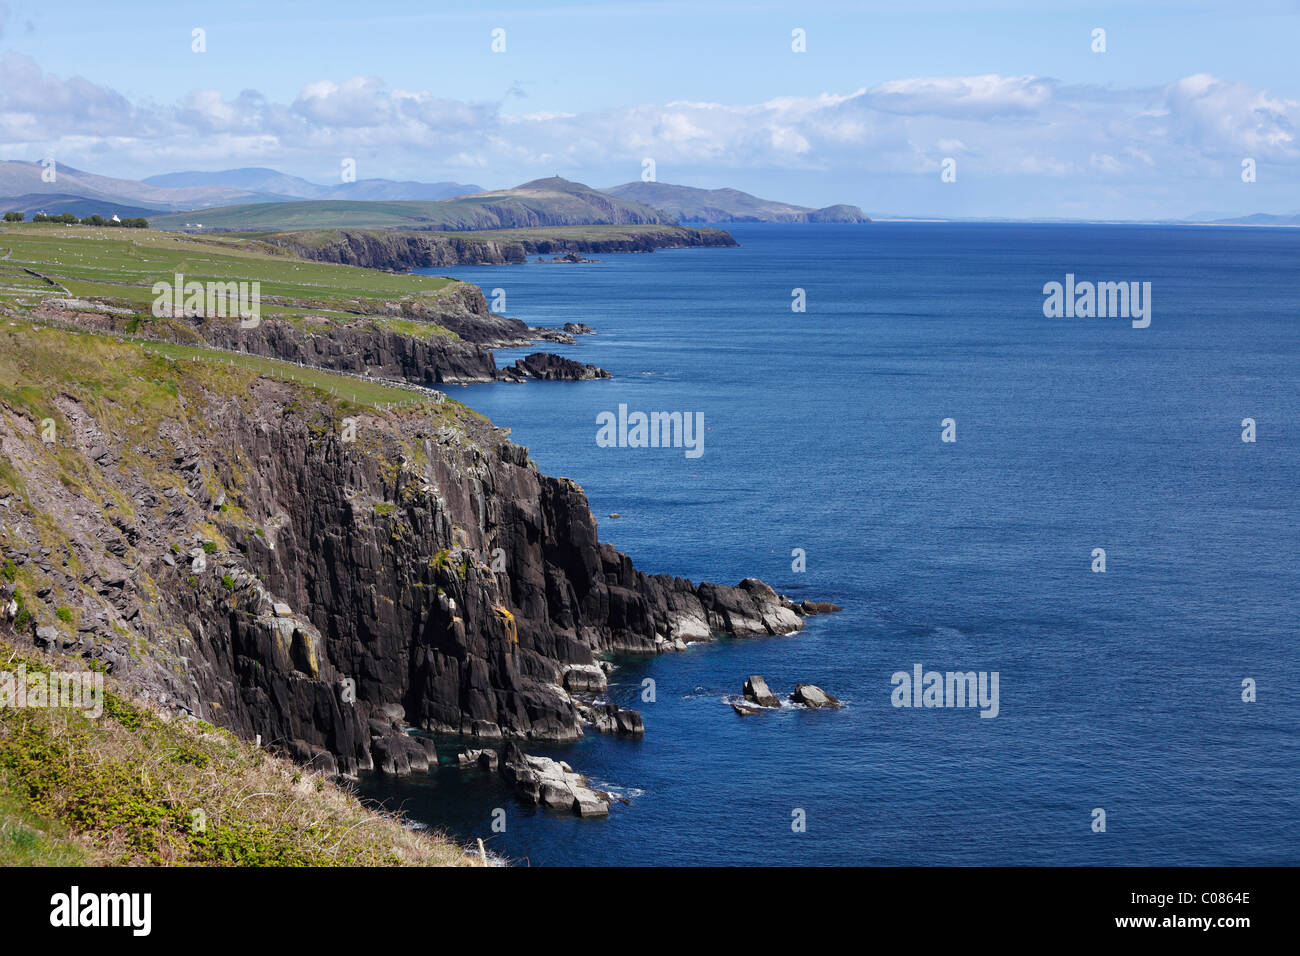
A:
{"points": [[542, 202], [271, 184], [54, 204], [388, 189], [689, 204], [248, 180], [18, 178]]}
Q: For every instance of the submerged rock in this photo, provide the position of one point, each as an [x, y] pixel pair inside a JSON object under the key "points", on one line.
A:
{"points": [[809, 608]]}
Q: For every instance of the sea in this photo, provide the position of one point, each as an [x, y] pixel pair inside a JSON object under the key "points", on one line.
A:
{"points": [[1096, 532]]}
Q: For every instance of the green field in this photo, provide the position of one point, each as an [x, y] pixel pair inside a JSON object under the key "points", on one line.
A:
{"points": [[108, 266], [117, 266], [308, 214]]}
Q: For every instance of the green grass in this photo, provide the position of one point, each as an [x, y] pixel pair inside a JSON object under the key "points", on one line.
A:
{"points": [[123, 267], [355, 390], [308, 214], [136, 787], [29, 840]]}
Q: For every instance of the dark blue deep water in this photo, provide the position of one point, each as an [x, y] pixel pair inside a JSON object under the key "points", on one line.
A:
{"points": [[1120, 691]]}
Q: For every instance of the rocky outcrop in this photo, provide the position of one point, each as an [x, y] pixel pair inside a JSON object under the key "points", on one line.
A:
{"points": [[550, 783], [756, 690], [365, 347], [810, 695], [613, 719], [543, 366], [568, 257]]}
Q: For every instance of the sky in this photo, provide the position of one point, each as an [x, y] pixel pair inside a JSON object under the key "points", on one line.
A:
{"points": [[1010, 97]]}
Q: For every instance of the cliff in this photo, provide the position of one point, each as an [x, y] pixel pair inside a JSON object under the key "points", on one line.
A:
{"points": [[320, 573], [404, 249]]}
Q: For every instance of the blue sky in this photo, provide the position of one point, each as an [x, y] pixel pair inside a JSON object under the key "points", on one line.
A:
{"points": [[1037, 123]]}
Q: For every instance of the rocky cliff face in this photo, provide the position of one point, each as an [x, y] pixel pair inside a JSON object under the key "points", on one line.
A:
{"points": [[394, 250], [321, 574], [371, 347]]}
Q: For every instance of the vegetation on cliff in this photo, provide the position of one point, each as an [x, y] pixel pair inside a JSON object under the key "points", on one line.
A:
{"points": [[137, 785]]}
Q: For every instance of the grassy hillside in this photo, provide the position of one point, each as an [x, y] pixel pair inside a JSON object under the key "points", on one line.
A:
{"points": [[134, 786], [689, 204], [120, 267], [543, 202]]}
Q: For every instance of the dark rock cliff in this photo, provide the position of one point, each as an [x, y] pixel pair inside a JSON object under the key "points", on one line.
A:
{"points": [[396, 250], [366, 347], [323, 575]]}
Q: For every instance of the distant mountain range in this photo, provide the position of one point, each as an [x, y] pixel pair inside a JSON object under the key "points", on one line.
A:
{"points": [[259, 198], [688, 204], [1261, 219], [190, 191], [19, 178], [270, 184]]}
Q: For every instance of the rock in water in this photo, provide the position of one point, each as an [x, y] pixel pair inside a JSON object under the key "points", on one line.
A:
{"points": [[756, 689], [550, 783], [810, 695]]}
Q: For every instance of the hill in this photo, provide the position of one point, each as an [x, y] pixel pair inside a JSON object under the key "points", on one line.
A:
{"points": [[1261, 219], [542, 202], [18, 178], [689, 204]]}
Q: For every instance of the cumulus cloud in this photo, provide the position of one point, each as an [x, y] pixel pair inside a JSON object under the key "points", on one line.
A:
{"points": [[996, 125]]}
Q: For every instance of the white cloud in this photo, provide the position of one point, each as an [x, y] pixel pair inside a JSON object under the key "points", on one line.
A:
{"points": [[1025, 126]]}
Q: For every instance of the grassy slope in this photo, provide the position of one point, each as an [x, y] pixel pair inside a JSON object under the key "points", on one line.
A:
{"points": [[135, 787], [121, 266]]}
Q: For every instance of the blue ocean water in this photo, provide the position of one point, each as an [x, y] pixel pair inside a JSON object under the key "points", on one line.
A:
{"points": [[1119, 690]]}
